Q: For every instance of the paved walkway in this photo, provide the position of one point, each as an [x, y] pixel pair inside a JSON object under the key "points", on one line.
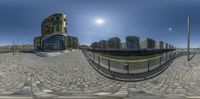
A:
{"points": [[70, 74]]}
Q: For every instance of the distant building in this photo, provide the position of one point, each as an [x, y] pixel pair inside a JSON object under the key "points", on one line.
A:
{"points": [[132, 42], [114, 43], [166, 46], [95, 45], [37, 43], [84, 47], [123, 45], [72, 42], [103, 44], [159, 45], [148, 43], [170, 46]]}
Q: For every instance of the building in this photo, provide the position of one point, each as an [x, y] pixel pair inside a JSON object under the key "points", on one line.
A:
{"points": [[53, 33], [72, 42], [170, 46], [84, 47], [166, 46], [148, 43], [103, 44], [159, 45], [123, 45], [37, 43], [114, 43], [95, 45], [132, 42]]}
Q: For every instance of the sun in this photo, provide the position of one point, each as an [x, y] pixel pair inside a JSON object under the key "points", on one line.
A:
{"points": [[99, 21], [169, 29]]}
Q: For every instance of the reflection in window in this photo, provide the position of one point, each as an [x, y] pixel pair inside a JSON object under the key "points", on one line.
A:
{"points": [[56, 42], [57, 28]]}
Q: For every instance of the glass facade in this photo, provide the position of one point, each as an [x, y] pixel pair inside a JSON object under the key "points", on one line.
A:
{"points": [[56, 42]]}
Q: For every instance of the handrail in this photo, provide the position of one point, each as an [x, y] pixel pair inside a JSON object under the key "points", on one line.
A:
{"points": [[129, 60], [131, 74]]}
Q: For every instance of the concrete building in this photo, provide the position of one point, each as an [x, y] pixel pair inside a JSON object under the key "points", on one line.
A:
{"points": [[159, 45], [103, 44], [53, 33], [132, 42], [114, 43], [148, 43]]}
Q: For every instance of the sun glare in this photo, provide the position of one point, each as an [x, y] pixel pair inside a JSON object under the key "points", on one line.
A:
{"points": [[99, 21]]}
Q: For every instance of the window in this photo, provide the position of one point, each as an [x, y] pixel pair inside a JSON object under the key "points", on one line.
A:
{"points": [[57, 28], [52, 29], [57, 18], [55, 42]]}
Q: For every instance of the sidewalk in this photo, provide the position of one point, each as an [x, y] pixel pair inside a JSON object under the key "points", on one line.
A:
{"points": [[50, 54]]}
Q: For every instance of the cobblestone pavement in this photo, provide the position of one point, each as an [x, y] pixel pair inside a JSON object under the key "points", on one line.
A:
{"points": [[70, 74]]}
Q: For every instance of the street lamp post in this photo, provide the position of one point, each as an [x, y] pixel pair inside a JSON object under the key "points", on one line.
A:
{"points": [[188, 42]]}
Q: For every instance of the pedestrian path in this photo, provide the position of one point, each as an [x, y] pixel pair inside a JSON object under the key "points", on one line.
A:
{"points": [[71, 75]]}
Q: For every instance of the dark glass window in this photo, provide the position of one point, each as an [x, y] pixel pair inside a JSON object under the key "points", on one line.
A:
{"points": [[56, 42], [57, 28], [52, 29]]}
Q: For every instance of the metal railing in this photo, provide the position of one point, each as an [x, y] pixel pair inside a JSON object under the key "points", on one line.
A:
{"points": [[130, 70]]}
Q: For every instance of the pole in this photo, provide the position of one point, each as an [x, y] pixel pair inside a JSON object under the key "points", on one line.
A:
{"points": [[188, 43]]}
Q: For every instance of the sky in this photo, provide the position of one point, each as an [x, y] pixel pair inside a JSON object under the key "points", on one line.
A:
{"points": [[165, 20]]}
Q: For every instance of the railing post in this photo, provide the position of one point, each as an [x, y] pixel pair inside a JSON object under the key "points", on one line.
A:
{"points": [[174, 55], [166, 58], [108, 64], [93, 57], [148, 65], [127, 67], [170, 56], [160, 61], [98, 62]]}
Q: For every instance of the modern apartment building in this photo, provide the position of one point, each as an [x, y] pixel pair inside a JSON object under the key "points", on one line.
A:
{"points": [[132, 42], [114, 43], [103, 44], [148, 43], [95, 45], [171, 47], [166, 46], [53, 33], [159, 45], [123, 45]]}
